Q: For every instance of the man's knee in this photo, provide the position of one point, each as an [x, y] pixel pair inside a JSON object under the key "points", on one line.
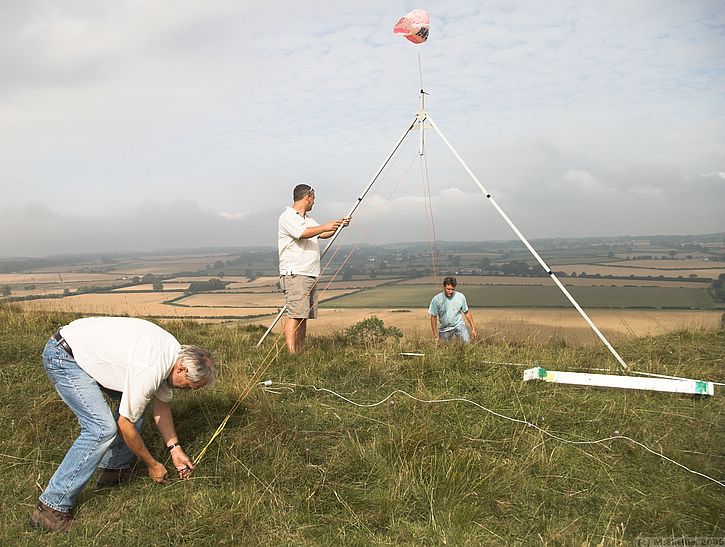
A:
{"points": [[105, 430]]}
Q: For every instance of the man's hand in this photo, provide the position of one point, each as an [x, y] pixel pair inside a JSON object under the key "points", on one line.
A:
{"points": [[182, 463], [158, 473], [473, 332], [332, 226]]}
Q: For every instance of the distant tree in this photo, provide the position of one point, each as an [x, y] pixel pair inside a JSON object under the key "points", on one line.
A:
{"points": [[158, 285], [135, 280], [5, 290], [66, 292], [218, 264], [213, 284]]}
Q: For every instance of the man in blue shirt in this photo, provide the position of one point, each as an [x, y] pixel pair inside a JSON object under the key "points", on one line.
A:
{"points": [[449, 307]]}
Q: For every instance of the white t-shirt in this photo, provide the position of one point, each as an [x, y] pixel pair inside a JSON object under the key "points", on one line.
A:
{"points": [[125, 354], [297, 256]]}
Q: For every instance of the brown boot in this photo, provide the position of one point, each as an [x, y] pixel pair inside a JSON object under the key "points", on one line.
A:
{"points": [[114, 477], [48, 519]]}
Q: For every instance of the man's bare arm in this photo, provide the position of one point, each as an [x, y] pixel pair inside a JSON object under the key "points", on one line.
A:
{"points": [[434, 325], [165, 423], [324, 231], [469, 317], [133, 440]]}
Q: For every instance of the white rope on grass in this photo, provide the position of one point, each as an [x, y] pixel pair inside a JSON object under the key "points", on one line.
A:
{"points": [[289, 386]]}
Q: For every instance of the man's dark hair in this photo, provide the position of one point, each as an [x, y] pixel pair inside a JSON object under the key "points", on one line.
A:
{"points": [[300, 191], [450, 281]]}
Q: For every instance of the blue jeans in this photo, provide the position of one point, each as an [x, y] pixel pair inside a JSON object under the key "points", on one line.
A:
{"points": [[98, 443], [459, 331]]}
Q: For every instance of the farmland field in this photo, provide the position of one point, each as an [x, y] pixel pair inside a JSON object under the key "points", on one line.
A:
{"points": [[464, 281], [137, 305], [166, 265], [678, 264], [394, 283], [401, 296], [168, 286], [248, 299], [624, 270], [533, 325], [241, 281], [57, 277]]}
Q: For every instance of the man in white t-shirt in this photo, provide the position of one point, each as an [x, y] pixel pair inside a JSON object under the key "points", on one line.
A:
{"points": [[135, 362], [299, 263]]}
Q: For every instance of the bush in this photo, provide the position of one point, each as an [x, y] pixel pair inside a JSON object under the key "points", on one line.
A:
{"points": [[370, 331]]}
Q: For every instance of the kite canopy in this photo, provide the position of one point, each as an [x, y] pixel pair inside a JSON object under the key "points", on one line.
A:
{"points": [[413, 26]]}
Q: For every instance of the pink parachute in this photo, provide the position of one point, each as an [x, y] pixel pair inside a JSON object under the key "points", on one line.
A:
{"points": [[413, 26]]}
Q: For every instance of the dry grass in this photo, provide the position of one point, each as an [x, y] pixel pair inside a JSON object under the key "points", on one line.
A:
{"points": [[532, 325], [57, 277], [135, 304]]}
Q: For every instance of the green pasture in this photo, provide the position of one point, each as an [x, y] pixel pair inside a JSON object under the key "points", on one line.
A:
{"points": [[416, 296]]}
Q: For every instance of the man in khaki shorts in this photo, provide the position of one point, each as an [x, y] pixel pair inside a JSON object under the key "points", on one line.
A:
{"points": [[299, 263]]}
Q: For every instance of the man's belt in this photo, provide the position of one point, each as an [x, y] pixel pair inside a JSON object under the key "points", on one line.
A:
{"points": [[63, 344]]}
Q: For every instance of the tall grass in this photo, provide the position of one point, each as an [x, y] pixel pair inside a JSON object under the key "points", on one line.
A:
{"points": [[302, 466]]}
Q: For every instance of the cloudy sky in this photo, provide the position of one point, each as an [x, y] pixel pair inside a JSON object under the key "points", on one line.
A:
{"points": [[131, 125]]}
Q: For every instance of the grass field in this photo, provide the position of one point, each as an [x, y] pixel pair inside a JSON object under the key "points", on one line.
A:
{"points": [[248, 299], [679, 264], [160, 265], [464, 281], [401, 296], [623, 269], [57, 277], [137, 304], [168, 286], [523, 325], [299, 466]]}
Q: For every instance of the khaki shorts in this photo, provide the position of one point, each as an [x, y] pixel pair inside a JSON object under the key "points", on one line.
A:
{"points": [[300, 296]]}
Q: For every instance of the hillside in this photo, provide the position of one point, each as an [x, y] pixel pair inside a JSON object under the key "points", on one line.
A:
{"points": [[299, 465]]}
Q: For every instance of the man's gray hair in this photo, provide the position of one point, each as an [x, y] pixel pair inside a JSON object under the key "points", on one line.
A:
{"points": [[199, 364]]}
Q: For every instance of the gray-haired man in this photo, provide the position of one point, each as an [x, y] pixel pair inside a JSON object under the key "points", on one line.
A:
{"points": [[135, 362]]}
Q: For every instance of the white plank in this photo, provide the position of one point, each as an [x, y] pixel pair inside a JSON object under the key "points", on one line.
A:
{"points": [[693, 387]]}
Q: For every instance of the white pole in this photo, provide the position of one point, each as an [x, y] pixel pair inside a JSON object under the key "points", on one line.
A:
{"points": [[349, 215], [532, 250]]}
